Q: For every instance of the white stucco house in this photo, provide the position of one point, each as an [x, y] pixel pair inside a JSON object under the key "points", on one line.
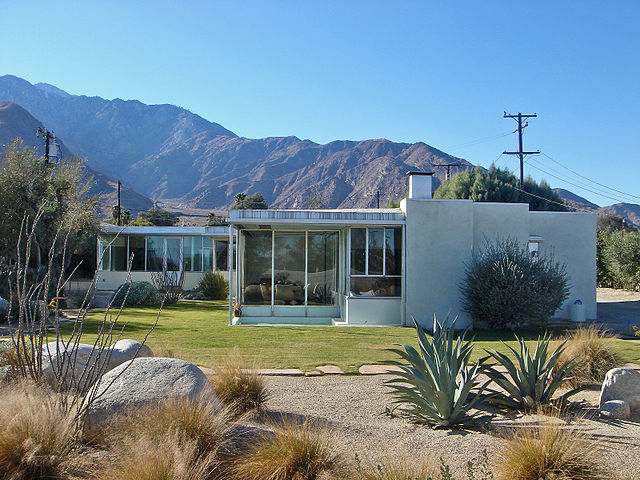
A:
{"points": [[383, 266], [353, 266]]}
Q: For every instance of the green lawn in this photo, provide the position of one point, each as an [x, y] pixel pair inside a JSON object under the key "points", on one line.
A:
{"points": [[198, 331]]}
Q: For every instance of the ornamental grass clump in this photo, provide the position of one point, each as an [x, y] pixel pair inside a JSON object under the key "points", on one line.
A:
{"points": [[533, 378], [213, 286], [548, 452], [240, 388], [399, 468], [37, 435], [435, 387], [506, 287], [290, 452], [592, 349]]}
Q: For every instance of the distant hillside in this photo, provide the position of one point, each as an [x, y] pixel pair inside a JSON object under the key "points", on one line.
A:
{"points": [[168, 153], [16, 122], [630, 211], [575, 201]]}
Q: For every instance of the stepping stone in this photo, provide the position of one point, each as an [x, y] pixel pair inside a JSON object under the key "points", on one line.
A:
{"points": [[330, 370], [285, 372], [313, 373], [378, 369]]}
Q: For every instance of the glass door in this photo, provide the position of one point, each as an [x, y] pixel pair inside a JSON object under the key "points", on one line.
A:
{"points": [[289, 259], [173, 254]]}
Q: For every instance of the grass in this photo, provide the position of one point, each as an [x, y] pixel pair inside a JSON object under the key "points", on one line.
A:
{"points": [[549, 452], [400, 467], [36, 435], [594, 352], [198, 331], [290, 452], [237, 386]]}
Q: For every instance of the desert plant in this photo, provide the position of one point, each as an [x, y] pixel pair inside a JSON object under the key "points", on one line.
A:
{"points": [[136, 294], [505, 287], [548, 452], [533, 378], [399, 468], [166, 457], [237, 386], [169, 283], [289, 452], [199, 422], [591, 348], [213, 286], [37, 435], [435, 388]]}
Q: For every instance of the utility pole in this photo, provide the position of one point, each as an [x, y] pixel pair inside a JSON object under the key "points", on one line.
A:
{"points": [[521, 153], [448, 165], [377, 195], [119, 209], [48, 136]]}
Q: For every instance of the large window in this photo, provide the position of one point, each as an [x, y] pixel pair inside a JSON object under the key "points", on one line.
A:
{"points": [[290, 268], [192, 252], [155, 254], [376, 262], [222, 255]]}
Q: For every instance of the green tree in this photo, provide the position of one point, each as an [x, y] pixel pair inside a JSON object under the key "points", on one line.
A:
{"points": [[255, 201], [214, 220], [158, 217], [59, 190], [499, 185]]}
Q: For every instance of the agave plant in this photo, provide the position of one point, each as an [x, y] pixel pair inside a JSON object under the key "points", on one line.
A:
{"points": [[435, 387], [534, 377]]}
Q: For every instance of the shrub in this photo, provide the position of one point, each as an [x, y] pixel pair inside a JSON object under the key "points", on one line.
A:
{"points": [[197, 422], [239, 388], [139, 294], [36, 435], [213, 286], [533, 378], [505, 287], [620, 260], [290, 452], [399, 468], [592, 350], [548, 452], [437, 383], [167, 457]]}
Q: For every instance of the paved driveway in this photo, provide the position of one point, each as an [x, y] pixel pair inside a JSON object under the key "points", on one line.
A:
{"points": [[618, 310]]}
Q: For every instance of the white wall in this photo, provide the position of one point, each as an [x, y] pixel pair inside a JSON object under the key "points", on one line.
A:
{"points": [[373, 311], [108, 280], [500, 220], [439, 240], [571, 238]]}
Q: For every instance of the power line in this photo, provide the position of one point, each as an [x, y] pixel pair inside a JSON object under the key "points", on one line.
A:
{"points": [[521, 153], [590, 180], [480, 140]]}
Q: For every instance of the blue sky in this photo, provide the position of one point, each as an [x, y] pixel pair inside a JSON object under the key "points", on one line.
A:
{"points": [[437, 72]]}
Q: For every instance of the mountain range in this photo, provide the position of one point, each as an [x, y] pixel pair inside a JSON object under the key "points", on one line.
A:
{"points": [[166, 153]]}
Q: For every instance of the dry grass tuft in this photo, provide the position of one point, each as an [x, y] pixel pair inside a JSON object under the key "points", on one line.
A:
{"points": [[593, 350], [549, 452], [37, 436], [162, 457], [290, 452], [401, 468], [237, 386], [197, 422]]}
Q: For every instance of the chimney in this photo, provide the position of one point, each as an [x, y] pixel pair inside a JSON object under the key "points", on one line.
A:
{"points": [[420, 184]]}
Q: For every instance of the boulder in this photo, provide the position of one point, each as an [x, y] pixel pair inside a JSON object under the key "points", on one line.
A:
{"points": [[146, 381], [620, 394], [83, 356]]}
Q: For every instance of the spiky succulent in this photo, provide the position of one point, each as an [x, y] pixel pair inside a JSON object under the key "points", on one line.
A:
{"points": [[435, 386]]}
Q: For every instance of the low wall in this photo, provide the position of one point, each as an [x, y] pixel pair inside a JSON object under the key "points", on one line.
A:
{"points": [[108, 280]]}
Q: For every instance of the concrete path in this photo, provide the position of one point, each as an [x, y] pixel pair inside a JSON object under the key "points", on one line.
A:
{"points": [[618, 310]]}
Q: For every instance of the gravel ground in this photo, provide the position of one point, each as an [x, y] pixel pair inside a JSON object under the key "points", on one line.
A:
{"points": [[354, 409]]}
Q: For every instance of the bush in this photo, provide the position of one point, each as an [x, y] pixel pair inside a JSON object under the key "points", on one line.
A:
{"points": [[239, 388], [505, 287], [140, 294], [36, 435], [213, 286], [290, 452], [435, 388], [592, 350], [548, 452], [619, 260]]}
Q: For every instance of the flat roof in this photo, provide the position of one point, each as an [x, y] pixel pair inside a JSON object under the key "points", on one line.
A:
{"points": [[155, 230], [350, 216]]}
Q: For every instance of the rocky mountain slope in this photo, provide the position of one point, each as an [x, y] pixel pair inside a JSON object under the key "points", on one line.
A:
{"points": [[16, 122], [168, 153], [630, 211]]}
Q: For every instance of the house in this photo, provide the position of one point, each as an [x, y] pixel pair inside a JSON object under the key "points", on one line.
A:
{"points": [[191, 250], [385, 266]]}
